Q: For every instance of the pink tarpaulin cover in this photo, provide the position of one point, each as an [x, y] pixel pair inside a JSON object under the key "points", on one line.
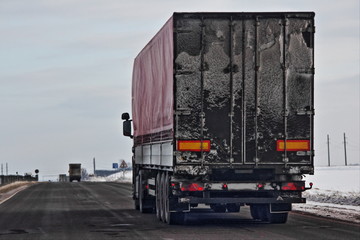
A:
{"points": [[152, 84]]}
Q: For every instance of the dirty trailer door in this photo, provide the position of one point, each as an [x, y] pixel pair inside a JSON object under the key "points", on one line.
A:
{"points": [[244, 82]]}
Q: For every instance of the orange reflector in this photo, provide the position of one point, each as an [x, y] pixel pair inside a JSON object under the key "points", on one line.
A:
{"points": [[194, 145], [293, 145]]}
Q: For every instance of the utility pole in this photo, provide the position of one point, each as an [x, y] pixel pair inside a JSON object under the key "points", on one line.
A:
{"points": [[94, 166], [2, 169], [328, 146], [345, 149], [7, 169]]}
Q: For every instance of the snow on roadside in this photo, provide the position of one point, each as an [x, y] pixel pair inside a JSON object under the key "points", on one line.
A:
{"points": [[336, 211], [125, 176], [335, 194]]}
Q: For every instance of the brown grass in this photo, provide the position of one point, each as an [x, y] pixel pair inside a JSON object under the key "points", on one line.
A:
{"points": [[14, 185]]}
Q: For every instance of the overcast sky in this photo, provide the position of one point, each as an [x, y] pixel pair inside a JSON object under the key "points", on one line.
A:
{"points": [[65, 75]]}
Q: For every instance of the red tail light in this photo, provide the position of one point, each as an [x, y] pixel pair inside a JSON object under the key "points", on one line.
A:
{"points": [[293, 186], [192, 187]]}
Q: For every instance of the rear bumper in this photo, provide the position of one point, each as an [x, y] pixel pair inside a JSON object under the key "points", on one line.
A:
{"points": [[198, 200]]}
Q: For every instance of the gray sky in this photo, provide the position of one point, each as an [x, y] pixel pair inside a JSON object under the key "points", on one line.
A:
{"points": [[65, 75]]}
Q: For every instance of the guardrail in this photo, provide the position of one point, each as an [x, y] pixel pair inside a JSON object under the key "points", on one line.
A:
{"points": [[15, 178]]}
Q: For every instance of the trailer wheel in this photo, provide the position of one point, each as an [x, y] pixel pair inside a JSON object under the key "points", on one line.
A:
{"points": [[260, 211], [278, 217], [254, 210], [136, 204], [233, 207], [275, 217], [158, 196], [162, 197], [142, 201], [171, 218], [218, 208]]}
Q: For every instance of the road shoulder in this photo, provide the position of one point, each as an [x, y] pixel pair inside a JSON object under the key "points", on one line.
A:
{"points": [[10, 190]]}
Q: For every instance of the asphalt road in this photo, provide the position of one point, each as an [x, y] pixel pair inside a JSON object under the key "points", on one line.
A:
{"points": [[105, 211]]}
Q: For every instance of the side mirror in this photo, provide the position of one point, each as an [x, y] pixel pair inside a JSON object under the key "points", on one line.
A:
{"points": [[127, 128], [125, 116], [126, 125]]}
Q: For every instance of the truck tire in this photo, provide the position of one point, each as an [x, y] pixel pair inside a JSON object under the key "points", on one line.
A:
{"points": [[259, 211], [262, 212], [233, 207], [142, 201], [278, 218], [275, 217], [136, 190], [136, 204], [162, 197], [254, 211], [158, 196], [218, 208], [171, 218]]}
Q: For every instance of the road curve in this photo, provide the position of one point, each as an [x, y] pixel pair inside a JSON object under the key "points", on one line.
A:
{"points": [[105, 211]]}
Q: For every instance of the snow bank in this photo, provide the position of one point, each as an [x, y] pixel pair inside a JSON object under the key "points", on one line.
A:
{"points": [[125, 176], [338, 178], [335, 194], [338, 185]]}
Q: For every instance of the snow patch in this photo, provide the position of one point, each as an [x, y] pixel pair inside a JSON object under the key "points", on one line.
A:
{"points": [[124, 176], [336, 193]]}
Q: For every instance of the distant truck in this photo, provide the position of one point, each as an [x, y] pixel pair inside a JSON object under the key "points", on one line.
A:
{"points": [[223, 114], [63, 178], [74, 172]]}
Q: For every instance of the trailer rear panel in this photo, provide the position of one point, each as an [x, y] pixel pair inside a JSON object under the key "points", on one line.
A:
{"points": [[245, 82], [239, 84]]}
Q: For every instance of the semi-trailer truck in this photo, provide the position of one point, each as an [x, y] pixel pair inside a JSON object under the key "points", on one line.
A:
{"points": [[223, 114], [74, 172]]}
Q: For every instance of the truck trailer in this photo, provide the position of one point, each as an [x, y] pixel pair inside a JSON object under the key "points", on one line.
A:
{"points": [[223, 114], [74, 172]]}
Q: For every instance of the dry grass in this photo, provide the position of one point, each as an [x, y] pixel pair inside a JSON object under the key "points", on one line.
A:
{"points": [[14, 185]]}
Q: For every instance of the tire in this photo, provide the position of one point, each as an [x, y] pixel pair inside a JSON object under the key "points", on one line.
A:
{"points": [[262, 212], [162, 197], [259, 212], [177, 218], [136, 188], [171, 218], [158, 196], [218, 208], [233, 207], [278, 218], [136, 204], [142, 201], [254, 212]]}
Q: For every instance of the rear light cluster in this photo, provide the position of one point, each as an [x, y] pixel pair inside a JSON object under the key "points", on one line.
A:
{"points": [[199, 187], [293, 186], [191, 187]]}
